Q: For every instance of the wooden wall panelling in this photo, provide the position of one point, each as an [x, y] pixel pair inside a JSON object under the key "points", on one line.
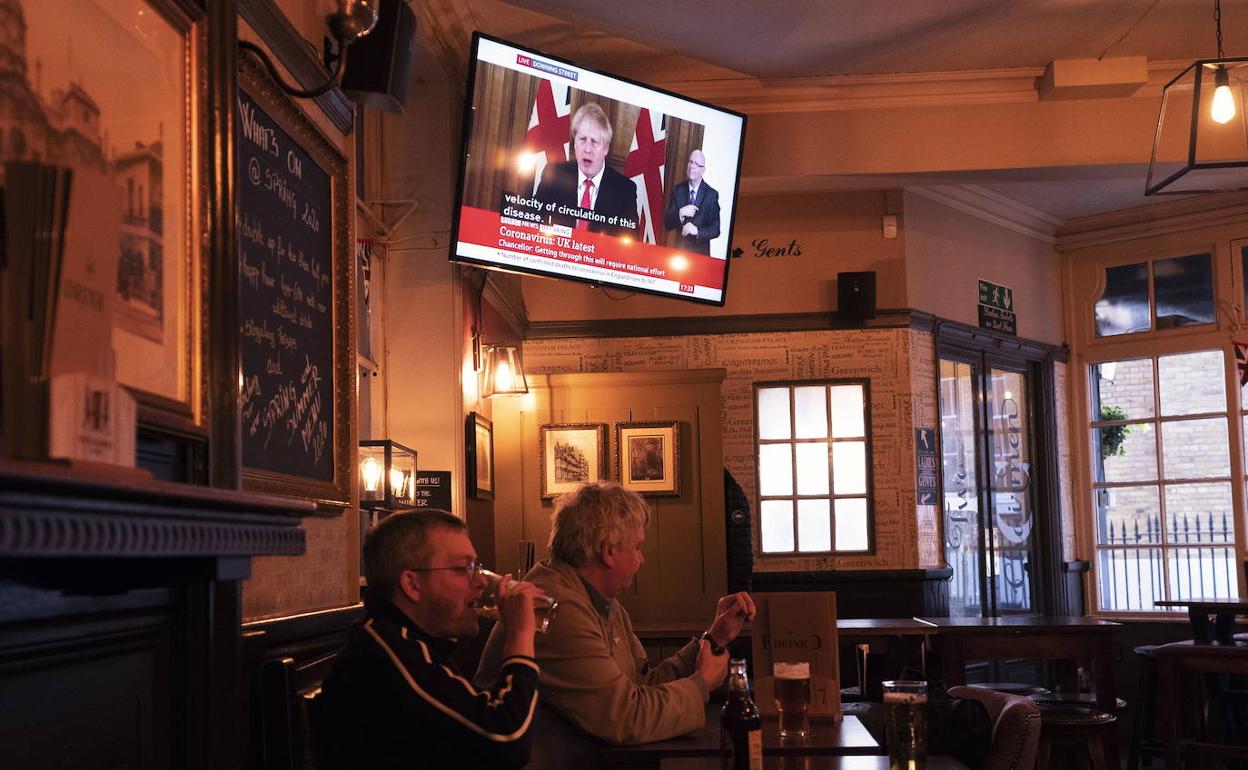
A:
{"points": [[685, 567]]}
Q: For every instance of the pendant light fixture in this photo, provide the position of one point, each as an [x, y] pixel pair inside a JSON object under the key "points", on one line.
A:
{"points": [[1201, 141]]}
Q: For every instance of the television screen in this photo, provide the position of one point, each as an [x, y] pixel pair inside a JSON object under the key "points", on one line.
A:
{"points": [[574, 174]]}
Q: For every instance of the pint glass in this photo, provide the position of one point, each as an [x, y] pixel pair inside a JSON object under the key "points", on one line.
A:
{"points": [[792, 684], [905, 724], [544, 607]]}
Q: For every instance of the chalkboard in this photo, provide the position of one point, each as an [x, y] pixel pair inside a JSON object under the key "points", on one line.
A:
{"points": [[286, 300]]}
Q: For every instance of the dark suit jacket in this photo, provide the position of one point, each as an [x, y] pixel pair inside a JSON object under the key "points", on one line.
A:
{"points": [[706, 220], [617, 196]]}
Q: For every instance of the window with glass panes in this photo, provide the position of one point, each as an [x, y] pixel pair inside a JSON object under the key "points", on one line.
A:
{"points": [[814, 472], [1162, 480]]}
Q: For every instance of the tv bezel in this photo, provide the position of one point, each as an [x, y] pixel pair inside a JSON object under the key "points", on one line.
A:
{"points": [[466, 133]]}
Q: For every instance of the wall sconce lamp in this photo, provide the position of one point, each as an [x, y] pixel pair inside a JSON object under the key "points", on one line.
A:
{"points": [[504, 372], [387, 475], [353, 20], [1201, 142]]}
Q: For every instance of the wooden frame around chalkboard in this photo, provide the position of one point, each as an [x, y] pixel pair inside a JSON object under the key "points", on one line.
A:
{"points": [[333, 495]]}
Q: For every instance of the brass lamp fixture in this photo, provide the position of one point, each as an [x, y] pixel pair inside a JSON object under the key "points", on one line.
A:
{"points": [[1201, 142], [504, 372], [387, 475], [353, 20]]}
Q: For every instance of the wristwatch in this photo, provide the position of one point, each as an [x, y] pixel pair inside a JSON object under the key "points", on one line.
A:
{"points": [[716, 649]]}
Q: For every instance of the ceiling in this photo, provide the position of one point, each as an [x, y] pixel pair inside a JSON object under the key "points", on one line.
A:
{"points": [[776, 40]]}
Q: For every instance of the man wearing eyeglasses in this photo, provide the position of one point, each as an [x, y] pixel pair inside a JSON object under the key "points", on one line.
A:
{"points": [[586, 183], [693, 207], [395, 699], [597, 685]]}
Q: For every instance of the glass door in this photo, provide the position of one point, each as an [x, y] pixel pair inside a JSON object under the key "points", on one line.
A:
{"points": [[1010, 531], [959, 444], [987, 447]]}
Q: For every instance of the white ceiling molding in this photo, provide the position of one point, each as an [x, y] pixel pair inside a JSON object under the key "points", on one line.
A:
{"points": [[1198, 211], [997, 209]]}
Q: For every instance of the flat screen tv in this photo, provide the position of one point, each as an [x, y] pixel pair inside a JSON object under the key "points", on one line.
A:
{"points": [[571, 173]]}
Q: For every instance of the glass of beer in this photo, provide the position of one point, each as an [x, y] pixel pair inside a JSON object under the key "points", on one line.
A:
{"points": [[486, 606], [792, 685], [905, 724]]}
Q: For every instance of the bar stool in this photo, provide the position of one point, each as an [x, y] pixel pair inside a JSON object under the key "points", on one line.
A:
{"points": [[1073, 735], [1175, 659], [1145, 743]]}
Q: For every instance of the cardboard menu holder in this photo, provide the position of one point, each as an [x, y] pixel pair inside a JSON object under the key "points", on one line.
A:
{"points": [[797, 628]]}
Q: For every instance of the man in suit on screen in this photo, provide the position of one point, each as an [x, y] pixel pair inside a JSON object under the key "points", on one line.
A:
{"points": [[587, 182], [694, 208]]}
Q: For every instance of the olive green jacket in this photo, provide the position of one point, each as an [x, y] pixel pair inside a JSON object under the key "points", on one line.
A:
{"points": [[597, 685]]}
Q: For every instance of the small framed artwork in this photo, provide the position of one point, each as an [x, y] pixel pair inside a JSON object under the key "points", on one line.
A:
{"points": [[648, 457], [480, 443], [572, 454]]}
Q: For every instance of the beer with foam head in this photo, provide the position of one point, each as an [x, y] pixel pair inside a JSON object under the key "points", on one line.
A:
{"points": [[792, 684]]}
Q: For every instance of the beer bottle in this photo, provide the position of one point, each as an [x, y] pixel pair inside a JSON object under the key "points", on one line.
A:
{"points": [[741, 728]]}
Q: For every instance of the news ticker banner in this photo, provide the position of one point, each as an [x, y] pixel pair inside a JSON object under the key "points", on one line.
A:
{"points": [[489, 236]]}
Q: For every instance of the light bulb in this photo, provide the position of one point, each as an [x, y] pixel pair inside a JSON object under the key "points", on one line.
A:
{"points": [[1223, 107], [504, 380], [370, 474], [398, 483]]}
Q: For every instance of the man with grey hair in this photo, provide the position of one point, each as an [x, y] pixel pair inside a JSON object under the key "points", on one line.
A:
{"points": [[606, 198], [395, 698], [596, 682]]}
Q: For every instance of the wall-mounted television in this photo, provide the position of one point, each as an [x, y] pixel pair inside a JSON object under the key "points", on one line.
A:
{"points": [[571, 173]]}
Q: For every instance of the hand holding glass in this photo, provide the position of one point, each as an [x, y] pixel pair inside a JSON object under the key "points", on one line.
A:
{"points": [[486, 606]]}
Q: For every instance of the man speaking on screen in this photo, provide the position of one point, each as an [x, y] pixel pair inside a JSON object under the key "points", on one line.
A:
{"points": [[694, 208], [588, 183]]}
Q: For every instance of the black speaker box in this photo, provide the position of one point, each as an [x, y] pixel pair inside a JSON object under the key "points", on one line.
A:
{"points": [[855, 295], [379, 65]]}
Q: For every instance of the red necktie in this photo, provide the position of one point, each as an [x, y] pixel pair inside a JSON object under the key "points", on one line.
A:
{"points": [[581, 224]]}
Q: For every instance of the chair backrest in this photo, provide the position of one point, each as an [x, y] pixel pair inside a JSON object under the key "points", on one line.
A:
{"points": [[287, 696], [1015, 727]]}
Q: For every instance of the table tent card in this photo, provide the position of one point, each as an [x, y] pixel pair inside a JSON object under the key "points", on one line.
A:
{"points": [[797, 628]]}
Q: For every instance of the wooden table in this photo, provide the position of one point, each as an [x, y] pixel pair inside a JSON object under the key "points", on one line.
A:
{"points": [[1222, 611], [810, 763], [905, 639], [827, 738], [1064, 640]]}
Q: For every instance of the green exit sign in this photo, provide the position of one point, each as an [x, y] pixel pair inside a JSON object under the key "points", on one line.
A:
{"points": [[994, 295]]}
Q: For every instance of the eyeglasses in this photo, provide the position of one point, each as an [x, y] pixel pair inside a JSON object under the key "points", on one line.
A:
{"points": [[468, 570], [697, 164]]}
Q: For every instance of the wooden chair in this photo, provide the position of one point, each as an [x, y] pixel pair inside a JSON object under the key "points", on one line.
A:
{"points": [[287, 692], [1188, 732]]}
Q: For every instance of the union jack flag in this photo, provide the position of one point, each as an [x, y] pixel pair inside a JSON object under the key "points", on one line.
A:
{"points": [[645, 166], [549, 124]]}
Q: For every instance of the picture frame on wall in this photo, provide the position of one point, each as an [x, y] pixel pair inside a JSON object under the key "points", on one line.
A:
{"points": [[647, 457], [133, 270], [572, 454], [480, 465]]}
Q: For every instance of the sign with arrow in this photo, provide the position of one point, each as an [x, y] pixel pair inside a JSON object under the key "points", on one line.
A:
{"points": [[925, 465]]}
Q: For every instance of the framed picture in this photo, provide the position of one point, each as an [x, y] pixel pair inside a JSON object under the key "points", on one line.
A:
{"points": [[132, 271], [647, 455], [480, 443], [296, 283], [572, 454]]}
